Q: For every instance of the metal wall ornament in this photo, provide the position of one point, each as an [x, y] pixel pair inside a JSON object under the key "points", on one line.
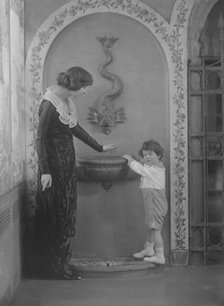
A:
{"points": [[104, 115]]}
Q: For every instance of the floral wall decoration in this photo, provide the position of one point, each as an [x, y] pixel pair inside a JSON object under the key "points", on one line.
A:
{"points": [[172, 37]]}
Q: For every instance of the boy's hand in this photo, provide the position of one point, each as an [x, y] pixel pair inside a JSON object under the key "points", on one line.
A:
{"points": [[128, 157]]}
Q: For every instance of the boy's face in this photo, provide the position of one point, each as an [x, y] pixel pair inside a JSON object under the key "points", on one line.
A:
{"points": [[150, 157]]}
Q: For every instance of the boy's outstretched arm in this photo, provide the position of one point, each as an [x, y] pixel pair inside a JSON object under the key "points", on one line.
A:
{"points": [[136, 166], [128, 157]]}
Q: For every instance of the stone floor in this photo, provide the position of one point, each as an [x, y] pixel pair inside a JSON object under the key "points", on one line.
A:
{"points": [[167, 286]]}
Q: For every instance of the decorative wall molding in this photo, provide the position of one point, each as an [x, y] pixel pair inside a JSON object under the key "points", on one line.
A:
{"points": [[12, 126], [173, 40], [5, 138], [17, 104], [12, 143]]}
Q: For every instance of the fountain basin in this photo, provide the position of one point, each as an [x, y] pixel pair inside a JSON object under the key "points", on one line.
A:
{"points": [[109, 265], [104, 169]]}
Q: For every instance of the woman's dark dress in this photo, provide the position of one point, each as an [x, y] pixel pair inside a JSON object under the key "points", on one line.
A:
{"points": [[54, 224]]}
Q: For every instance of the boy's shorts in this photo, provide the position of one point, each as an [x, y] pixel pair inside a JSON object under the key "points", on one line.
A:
{"points": [[155, 204]]}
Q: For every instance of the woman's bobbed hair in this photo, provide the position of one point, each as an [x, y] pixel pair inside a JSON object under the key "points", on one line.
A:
{"points": [[152, 145], [75, 78]]}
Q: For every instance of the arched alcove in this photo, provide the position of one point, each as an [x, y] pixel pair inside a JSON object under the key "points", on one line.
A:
{"points": [[172, 39], [114, 227]]}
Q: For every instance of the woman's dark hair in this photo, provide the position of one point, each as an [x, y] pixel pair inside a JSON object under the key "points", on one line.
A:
{"points": [[75, 78], [152, 145]]}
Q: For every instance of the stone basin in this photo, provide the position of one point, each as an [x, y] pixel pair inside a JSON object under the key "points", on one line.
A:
{"points": [[109, 265], [105, 169]]}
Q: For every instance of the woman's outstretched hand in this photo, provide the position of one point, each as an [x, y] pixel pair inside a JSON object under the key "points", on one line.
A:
{"points": [[110, 148]]}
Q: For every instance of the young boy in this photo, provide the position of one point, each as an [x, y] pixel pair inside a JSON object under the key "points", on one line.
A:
{"points": [[152, 185]]}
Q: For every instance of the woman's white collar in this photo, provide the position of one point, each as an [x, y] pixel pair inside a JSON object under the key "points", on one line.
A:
{"points": [[67, 111]]}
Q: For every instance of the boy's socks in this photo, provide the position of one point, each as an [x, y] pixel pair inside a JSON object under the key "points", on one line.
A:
{"points": [[147, 251], [158, 258]]}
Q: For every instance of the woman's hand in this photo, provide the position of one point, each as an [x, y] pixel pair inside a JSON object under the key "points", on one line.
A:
{"points": [[46, 181], [110, 148]]}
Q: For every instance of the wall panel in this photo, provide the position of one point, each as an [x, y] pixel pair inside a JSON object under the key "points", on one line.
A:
{"points": [[12, 143]]}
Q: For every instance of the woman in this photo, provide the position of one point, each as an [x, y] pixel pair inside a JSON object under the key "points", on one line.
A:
{"points": [[56, 199]]}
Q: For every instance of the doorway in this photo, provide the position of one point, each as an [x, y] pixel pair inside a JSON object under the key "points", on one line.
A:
{"points": [[206, 146]]}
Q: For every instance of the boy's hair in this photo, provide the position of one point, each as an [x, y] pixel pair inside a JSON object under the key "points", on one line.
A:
{"points": [[152, 145]]}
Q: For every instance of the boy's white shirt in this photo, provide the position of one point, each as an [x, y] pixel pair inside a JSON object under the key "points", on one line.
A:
{"points": [[151, 176]]}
